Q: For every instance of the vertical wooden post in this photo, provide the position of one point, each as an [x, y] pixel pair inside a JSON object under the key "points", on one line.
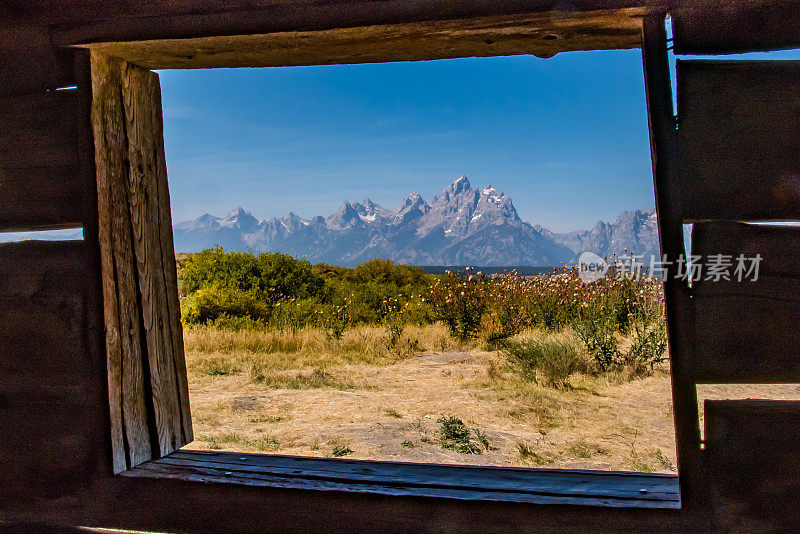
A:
{"points": [[147, 386], [663, 146]]}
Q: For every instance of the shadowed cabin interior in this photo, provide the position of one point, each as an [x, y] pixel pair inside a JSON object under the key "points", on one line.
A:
{"points": [[93, 393]]}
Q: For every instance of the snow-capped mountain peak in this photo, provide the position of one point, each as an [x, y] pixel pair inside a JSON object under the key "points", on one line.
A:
{"points": [[460, 226]]}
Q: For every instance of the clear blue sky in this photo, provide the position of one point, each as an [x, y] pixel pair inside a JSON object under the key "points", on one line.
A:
{"points": [[565, 137]]}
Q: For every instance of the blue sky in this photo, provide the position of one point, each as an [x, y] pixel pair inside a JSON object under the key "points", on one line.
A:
{"points": [[565, 137]]}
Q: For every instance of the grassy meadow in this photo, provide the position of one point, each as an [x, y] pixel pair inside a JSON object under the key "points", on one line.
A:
{"points": [[386, 362]]}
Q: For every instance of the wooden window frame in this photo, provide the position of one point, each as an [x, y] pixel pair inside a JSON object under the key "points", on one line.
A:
{"points": [[590, 489]]}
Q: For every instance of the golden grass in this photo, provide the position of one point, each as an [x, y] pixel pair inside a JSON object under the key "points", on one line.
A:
{"points": [[304, 394]]}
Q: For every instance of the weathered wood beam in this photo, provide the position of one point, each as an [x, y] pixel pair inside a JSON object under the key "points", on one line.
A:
{"points": [[543, 34], [746, 331], [185, 18], [48, 406], [753, 468], [663, 146], [40, 184], [146, 372], [739, 139], [726, 27]]}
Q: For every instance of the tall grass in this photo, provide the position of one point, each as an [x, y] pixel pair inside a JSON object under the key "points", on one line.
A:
{"points": [[550, 360], [305, 358]]}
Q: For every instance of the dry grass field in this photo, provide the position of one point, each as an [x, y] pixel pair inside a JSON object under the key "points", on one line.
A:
{"points": [[301, 393]]}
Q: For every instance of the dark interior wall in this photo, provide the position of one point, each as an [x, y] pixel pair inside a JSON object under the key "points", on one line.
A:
{"points": [[53, 401], [52, 373]]}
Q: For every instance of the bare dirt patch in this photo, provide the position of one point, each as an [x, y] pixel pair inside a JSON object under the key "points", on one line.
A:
{"points": [[391, 410]]}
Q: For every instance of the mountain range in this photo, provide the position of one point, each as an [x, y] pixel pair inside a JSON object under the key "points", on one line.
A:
{"points": [[461, 226]]}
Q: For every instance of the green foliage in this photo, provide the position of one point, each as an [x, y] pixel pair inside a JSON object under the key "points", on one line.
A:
{"points": [[215, 301], [271, 291], [340, 451], [649, 345], [459, 301], [598, 331], [272, 275], [455, 435], [552, 361]]}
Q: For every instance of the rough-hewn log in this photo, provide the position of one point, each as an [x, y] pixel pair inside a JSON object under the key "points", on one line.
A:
{"points": [[543, 34], [39, 130], [746, 331], [739, 139], [40, 185], [663, 147], [126, 375], [155, 255], [753, 468], [720, 27], [40, 199], [149, 402], [48, 412], [189, 506]]}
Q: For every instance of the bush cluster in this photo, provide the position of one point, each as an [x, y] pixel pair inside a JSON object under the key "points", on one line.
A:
{"points": [[243, 290], [239, 290]]}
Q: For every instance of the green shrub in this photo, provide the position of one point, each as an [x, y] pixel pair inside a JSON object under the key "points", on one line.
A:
{"points": [[455, 435], [338, 452], [212, 302], [235, 323], [598, 332], [648, 348], [459, 302], [551, 361], [269, 275]]}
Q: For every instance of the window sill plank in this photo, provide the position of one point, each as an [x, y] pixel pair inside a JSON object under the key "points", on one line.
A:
{"points": [[541, 486]]}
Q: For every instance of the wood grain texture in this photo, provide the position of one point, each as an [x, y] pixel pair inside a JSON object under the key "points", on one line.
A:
{"points": [[147, 382], [31, 63], [47, 408], [542, 34], [715, 27], [140, 96], [406, 478], [739, 136], [293, 12], [178, 22], [180, 505], [746, 331], [126, 375], [40, 182], [754, 471]]}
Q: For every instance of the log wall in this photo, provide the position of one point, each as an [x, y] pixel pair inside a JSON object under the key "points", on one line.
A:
{"points": [[54, 385]]}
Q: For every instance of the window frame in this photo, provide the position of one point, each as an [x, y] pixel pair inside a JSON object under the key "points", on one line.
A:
{"points": [[630, 490]]}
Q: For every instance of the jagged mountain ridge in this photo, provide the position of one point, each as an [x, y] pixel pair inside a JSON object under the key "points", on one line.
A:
{"points": [[461, 226], [633, 232]]}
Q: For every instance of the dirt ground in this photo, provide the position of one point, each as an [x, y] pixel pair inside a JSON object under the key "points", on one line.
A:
{"points": [[390, 412]]}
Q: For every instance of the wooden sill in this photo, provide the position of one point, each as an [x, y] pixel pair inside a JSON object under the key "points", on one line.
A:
{"points": [[541, 486]]}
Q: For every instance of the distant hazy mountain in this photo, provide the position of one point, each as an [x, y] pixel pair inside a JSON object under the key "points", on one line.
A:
{"points": [[461, 226], [634, 232]]}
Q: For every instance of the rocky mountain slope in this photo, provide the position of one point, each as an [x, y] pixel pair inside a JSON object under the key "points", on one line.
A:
{"points": [[461, 226], [634, 232]]}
